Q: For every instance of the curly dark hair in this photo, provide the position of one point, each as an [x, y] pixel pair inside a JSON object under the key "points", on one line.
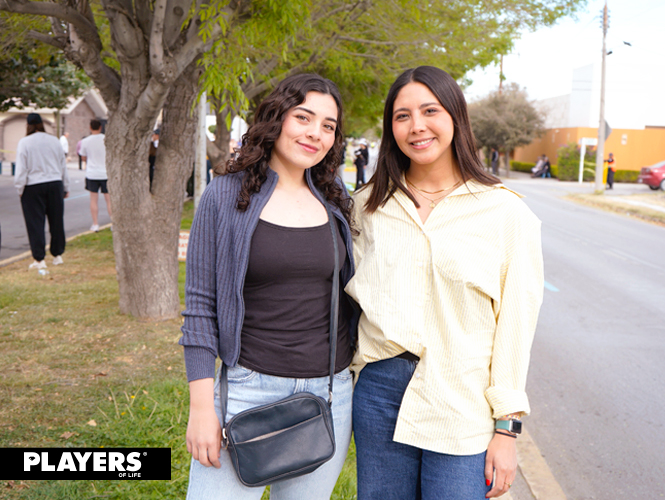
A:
{"points": [[254, 154]]}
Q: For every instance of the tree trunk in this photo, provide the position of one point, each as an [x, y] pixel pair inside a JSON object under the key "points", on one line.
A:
{"points": [[507, 160], [146, 252], [222, 137]]}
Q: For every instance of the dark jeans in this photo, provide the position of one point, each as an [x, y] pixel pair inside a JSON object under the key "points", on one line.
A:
{"points": [[610, 179], [39, 202], [393, 471], [360, 176]]}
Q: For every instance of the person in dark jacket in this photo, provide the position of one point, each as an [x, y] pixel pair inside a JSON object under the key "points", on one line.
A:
{"points": [[610, 171], [258, 291], [360, 161]]}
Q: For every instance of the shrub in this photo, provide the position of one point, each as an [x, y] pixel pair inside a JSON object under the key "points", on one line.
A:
{"points": [[526, 167], [521, 166], [569, 163], [626, 176]]}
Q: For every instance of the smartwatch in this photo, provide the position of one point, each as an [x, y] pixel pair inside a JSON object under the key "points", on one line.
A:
{"points": [[512, 425]]}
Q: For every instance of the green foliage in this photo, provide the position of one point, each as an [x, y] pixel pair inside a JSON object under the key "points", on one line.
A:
{"points": [[505, 120], [521, 166], [265, 32], [30, 73], [569, 163], [626, 176], [363, 46], [526, 167]]}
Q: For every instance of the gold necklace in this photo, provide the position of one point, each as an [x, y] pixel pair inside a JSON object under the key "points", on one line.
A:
{"points": [[432, 202], [430, 192]]}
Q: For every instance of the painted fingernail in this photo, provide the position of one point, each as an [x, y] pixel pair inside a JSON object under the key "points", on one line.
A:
{"points": [[488, 482]]}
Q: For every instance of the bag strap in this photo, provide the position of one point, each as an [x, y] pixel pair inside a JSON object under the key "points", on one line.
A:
{"points": [[334, 318], [334, 304]]}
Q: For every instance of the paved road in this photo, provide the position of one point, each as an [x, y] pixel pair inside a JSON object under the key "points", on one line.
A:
{"points": [[597, 377], [77, 212]]}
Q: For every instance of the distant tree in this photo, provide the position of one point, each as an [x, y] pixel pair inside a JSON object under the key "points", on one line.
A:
{"points": [[506, 120], [32, 73]]}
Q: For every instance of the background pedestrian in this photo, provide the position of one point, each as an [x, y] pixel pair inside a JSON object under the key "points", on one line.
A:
{"points": [[494, 159], [64, 142], [93, 152], [610, 171], [361, 158], [42, 182]]}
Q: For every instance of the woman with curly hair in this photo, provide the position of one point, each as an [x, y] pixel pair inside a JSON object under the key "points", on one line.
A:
{"points": [[258, 289]]}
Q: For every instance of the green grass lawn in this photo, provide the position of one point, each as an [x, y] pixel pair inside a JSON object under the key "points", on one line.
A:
{"points": [[74, 372]]}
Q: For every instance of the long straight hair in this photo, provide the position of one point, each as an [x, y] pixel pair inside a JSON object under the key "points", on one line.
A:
{"points": [[258, 142], [393, 163], [34, 127]]}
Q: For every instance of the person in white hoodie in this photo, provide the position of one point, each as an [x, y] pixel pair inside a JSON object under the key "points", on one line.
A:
{"points": [[43, 184]]}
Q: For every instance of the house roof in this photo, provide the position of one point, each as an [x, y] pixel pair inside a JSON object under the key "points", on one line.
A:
{"points": [[91, 97]]}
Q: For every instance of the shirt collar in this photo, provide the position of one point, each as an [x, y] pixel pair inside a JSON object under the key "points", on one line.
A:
{"points": [[472, 186]]}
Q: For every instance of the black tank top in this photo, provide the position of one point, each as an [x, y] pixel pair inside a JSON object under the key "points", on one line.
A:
{"points": [[287, 303]]}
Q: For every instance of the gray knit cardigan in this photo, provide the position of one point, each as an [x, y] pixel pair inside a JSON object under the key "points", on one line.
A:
{"points": [[217, 260]]}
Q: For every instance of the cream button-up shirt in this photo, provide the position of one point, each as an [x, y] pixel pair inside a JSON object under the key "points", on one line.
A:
{"points": [[462, 291]]}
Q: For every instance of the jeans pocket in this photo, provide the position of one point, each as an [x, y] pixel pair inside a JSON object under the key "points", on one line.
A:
{"points": [[344, 375], [239, 374]]}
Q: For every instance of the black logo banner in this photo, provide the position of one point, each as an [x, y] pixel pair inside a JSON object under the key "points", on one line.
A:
{"points": [[86, 463]]}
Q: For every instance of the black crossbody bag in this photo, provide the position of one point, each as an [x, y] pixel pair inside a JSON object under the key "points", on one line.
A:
{"points": [[290, 437]]}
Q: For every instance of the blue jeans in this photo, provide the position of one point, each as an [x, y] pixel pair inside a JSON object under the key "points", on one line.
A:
{"points": [[248, 389], [388, 470]]}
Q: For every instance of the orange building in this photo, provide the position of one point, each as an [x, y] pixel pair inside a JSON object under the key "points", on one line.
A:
{"points": [[633, 149]]}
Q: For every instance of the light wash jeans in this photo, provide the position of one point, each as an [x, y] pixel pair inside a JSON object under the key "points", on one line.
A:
{"points": [[248, 389]]}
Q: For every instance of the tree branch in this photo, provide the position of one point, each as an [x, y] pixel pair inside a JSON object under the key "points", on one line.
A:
{"points": [[379, 42], [86, 30], [157, 39], [54, 41], [87, 50]]}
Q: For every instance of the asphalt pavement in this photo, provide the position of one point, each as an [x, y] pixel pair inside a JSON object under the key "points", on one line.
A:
{"points": [[77, 212], [597, 375]]}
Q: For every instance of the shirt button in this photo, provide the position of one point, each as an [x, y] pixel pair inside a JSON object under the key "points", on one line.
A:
{"points": [[417, 375], [419, 264]]}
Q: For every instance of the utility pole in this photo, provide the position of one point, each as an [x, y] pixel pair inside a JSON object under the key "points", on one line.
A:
{"points": [[600, 151]]}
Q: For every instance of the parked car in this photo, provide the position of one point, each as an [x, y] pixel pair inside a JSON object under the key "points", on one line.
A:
{"points": [[653, 176]]}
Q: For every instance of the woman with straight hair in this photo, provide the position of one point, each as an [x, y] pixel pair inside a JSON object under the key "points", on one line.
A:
{"points": [[450, 280], [42, 183], [258, 291]]}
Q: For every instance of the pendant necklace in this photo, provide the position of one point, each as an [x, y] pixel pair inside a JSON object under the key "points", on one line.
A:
{"points": [[432, 202]]}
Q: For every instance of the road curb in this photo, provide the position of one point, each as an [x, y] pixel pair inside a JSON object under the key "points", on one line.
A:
{"points": [[535, 470], [28, 254]]}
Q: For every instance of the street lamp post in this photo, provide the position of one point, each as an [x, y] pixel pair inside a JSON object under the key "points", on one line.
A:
{"points": [[600, 151]]}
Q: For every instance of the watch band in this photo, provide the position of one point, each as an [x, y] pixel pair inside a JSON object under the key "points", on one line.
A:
{"points": [[512, 425]]}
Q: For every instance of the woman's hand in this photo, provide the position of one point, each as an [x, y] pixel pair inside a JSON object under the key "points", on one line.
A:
{"points": [[204, 433], [502, 458]]}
